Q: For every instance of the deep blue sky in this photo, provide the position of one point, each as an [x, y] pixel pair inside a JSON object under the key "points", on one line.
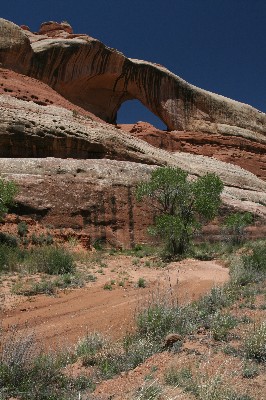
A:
{"points": [[218, 45]]}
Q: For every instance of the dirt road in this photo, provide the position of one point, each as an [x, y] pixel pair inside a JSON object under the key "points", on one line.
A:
{"points": [[68, 316]]}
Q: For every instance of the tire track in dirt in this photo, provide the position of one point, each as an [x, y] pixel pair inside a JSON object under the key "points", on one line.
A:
{"points": [[62, 320]]}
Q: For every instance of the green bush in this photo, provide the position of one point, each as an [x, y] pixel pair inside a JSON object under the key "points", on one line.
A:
{"points": [[8, 191], [221, 324], [142, 283], [52, 260], [157, 320], [256, 260], [42, 239], [235, 225], [22, 229], [10, 258]]}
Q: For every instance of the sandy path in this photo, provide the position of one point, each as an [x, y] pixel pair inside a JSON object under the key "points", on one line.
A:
{"points": [[67, 317]]}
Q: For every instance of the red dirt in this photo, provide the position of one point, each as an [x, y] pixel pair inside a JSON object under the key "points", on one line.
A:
{"points": [[68, 316], [29, 89]]}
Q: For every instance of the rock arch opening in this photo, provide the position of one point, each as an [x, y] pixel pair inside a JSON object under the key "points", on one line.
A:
{"points": [[133, 111]]}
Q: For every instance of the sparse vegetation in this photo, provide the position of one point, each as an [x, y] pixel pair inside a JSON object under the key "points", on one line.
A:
{"points": [[149, 391], [203, 385], [30, 374], [42, 239], [213, 315]]}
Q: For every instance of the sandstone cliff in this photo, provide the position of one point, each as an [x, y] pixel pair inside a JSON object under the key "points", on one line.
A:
{"points": [[59, 95]]}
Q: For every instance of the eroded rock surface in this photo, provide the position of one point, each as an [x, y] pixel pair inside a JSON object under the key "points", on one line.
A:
{"points": [[58, 90], [246, 153], [97, 196], [100, 79]]}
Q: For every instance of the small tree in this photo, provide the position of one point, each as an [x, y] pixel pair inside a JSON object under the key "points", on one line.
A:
{"points": [[8, 191], [182, 205]]}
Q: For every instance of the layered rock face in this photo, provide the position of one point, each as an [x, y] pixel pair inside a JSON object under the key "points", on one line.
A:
{"points": [[100, 79], [246, 153], [97, 197], [59, 95]]}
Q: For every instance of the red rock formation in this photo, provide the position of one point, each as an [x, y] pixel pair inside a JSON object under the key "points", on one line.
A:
{"points": [[25, 88], [100, 79], [52, 28], [51, 85], [240, 151]]}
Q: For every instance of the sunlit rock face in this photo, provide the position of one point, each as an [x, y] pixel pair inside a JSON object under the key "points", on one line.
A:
{"points": [[59, 96], [100, 79]]}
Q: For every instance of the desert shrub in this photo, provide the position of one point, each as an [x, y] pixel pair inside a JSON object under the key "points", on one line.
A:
{"points": [[218, 298], [149, 391], [162, 315], [235, 224], [221, 324], [88, 347], [180, 378], [250, 370], [42, 239], [52, 260], [141, 283], [45, 286], [108, 286], [208, 251], [49, 285], [157, 319], [256, 260], [115, 359], [10, 258], [22, 229], [251, 266], [255, 343]]}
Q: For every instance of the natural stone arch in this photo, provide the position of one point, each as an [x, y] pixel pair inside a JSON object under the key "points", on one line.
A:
{"points": [[100, 79]]}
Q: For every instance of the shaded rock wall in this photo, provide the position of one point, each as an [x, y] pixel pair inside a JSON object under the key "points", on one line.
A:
{"points": [[94, 196]]}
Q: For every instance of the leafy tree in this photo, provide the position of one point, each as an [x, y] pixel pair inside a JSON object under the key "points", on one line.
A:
{"points": [[235, 225], [182, 205], [8, 191]]}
